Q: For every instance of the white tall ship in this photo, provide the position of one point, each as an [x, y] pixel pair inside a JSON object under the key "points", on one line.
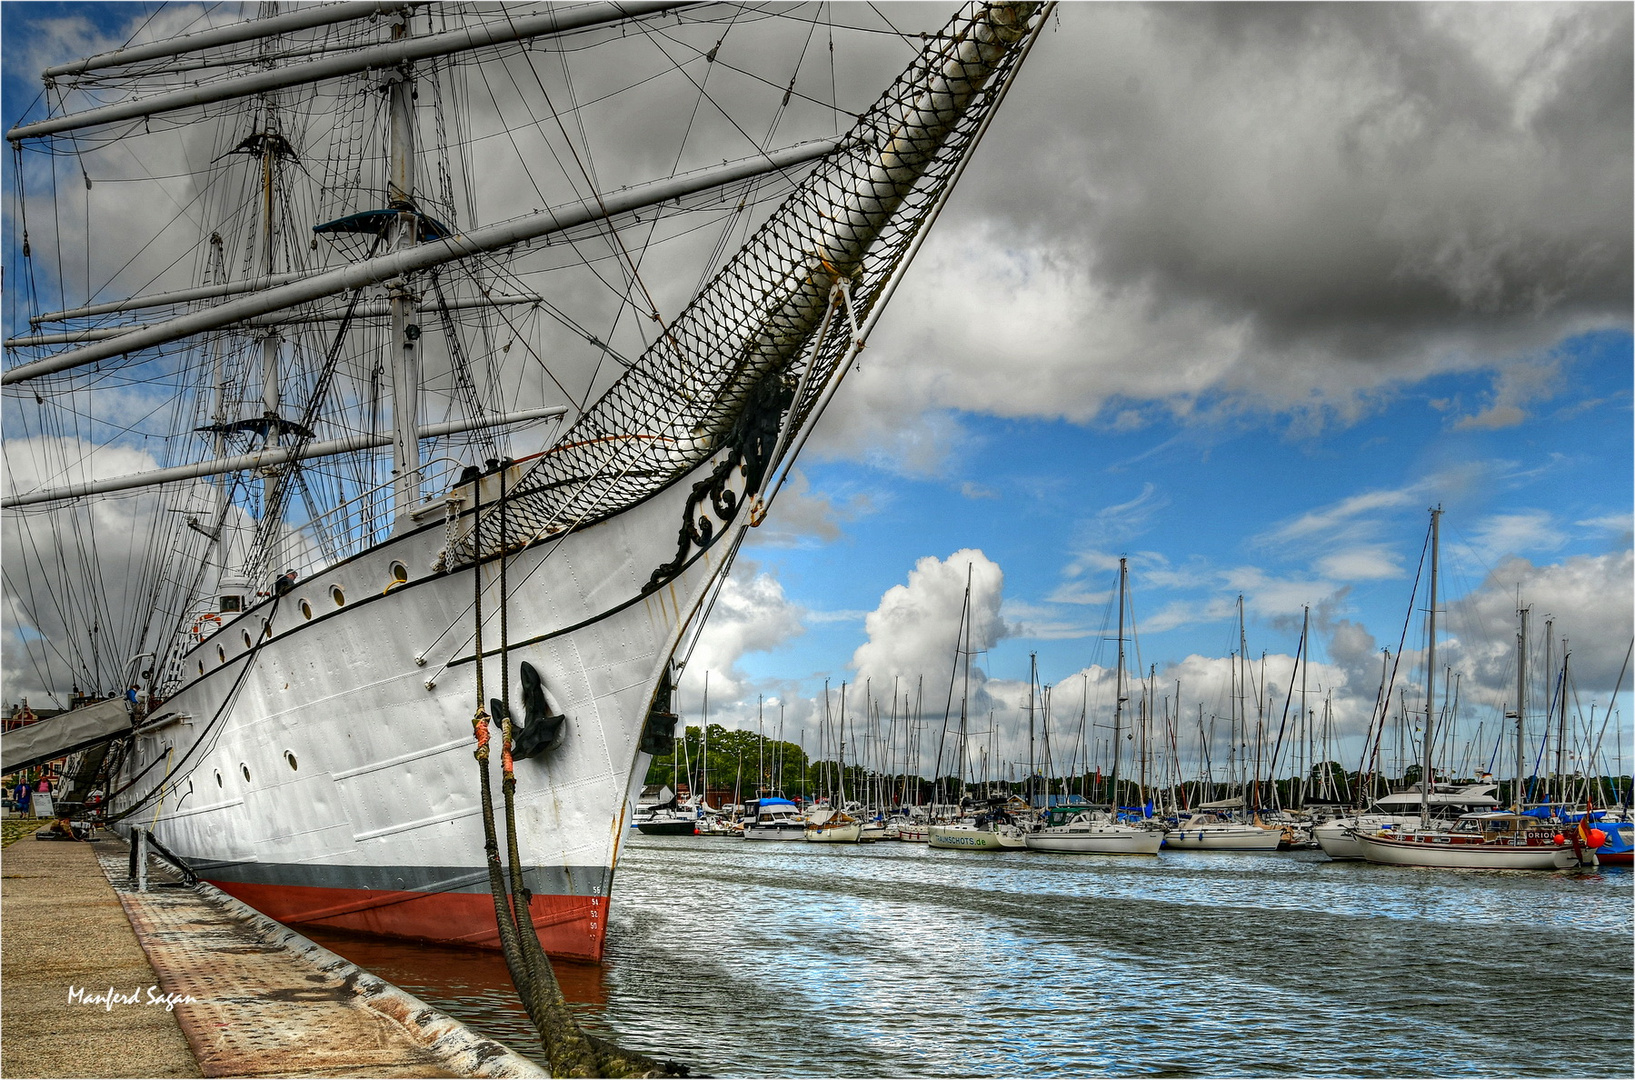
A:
{"points": [[307, 743]]}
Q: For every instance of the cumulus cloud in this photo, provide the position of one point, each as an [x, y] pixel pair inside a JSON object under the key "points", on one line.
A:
{"points": [[751, 614], [916, 628], [1587, 597]]}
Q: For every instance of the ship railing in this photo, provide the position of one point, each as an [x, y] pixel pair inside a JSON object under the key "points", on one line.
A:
{"points": [[347, 536]]}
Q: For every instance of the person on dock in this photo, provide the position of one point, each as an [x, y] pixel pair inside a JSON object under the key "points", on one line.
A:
{"points": [[21, 797]]}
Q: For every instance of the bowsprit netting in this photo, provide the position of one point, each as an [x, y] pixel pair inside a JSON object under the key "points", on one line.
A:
{"points": [[851, 220]]}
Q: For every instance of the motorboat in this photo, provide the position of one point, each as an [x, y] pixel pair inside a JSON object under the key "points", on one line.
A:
{"points": [[772, 819]]}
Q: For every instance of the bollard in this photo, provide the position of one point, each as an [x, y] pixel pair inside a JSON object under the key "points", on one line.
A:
{"points": [[141, 839]]}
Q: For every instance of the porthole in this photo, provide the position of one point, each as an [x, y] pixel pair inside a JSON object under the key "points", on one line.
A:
{"points": [[400, 572], [248, 644], [218, 778], [306, 610], [245, 769], [336, 595], [266, 628], [221, 654], [201, 667], [289, 756]]}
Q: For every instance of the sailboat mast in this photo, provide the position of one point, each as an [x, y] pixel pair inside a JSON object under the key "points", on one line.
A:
{"points": [[1521, 706], [1561, 730], [404, 359], [1033, 679], [1425, 773], [1118, 686], [704, 748], [1241, 705], [1308, 743]]}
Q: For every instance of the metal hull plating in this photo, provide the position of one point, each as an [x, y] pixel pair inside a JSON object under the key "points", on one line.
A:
{"points": [[318, 764]]}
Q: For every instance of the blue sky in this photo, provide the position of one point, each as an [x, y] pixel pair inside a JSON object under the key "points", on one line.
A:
{"points": [[1037, 495], [1200, 509]]}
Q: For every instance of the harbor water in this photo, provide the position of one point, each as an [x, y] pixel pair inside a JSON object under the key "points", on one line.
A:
{"points": [[766, 959]]}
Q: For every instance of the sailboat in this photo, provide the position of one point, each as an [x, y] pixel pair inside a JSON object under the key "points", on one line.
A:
{"points": [[1096, 832], [1483, 840], [1220, 825], [317, 686]]}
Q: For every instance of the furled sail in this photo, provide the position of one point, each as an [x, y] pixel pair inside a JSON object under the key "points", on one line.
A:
{"points": [[733, 352]]}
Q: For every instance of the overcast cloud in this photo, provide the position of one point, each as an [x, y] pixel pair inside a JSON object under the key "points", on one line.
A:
{"points": [[1275, 207]]}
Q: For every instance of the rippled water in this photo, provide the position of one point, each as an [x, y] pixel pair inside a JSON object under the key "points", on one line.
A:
{"points": [[766, 959]]}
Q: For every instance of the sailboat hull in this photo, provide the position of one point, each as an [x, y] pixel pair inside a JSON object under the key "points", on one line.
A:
{"points": [[1447, 852], [1224, 838], [850, 832], [1096, 841], [319, 763]]}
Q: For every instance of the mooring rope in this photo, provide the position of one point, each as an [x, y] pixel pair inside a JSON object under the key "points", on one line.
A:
{"points": [[570, 1051]]}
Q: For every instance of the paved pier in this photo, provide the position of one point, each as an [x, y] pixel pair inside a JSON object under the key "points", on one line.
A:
{"points": [[63, 926], [265, 1001]]}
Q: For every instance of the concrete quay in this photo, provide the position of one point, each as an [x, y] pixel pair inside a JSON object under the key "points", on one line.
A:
{"points": [[101, 980]]}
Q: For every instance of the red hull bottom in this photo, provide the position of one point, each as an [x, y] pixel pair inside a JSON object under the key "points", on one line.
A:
{"points": [[570, 927]]}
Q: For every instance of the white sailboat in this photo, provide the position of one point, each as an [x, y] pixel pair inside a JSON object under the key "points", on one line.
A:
{"points": [[990, 831], [1400, 809], [1480, 841], [828, 826], [309, 749], [1093, 832]]}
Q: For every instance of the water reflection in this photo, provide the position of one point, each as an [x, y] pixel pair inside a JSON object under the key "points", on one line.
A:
{"points": [[748, 959]]}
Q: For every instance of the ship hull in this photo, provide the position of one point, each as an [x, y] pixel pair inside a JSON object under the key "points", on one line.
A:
{"points": [[318, 763]]}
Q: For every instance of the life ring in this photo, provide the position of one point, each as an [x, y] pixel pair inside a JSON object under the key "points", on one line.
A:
{"points": [[199, 624]]}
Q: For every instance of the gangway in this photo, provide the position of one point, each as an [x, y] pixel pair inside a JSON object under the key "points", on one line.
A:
{"points": [[78, 729]]}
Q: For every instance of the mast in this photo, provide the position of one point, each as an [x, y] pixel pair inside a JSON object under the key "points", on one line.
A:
{"points": [[704, 749], [404, 359], [1118, 685], [272, 484], [1033, 677], [1521, 706], [840, 757], [965, 690], [1308, 743], [370, 58], [1243, 705], [1430, 677], [1561, 736]]}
